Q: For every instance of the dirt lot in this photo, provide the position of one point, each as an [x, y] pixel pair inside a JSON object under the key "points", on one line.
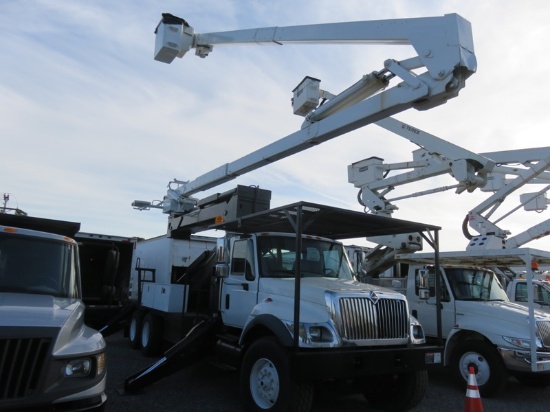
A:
{"points": [[206, 388]]}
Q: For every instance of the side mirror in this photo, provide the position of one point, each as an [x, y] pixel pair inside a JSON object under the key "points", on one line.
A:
{"points": [[221, 270]]}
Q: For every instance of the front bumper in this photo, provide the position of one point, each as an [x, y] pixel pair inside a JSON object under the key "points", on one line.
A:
{"points": [[520, 361], [356, 362], [90, 400]]}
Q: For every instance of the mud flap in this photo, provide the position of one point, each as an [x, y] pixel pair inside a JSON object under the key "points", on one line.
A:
{"points": [[194, 346]]}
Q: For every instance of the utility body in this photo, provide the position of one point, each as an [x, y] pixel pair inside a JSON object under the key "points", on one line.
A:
{"points": [[49, 359]]}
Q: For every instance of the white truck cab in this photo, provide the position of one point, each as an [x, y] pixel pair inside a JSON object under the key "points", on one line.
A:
{"points": [[49, 359], [517, 292]]}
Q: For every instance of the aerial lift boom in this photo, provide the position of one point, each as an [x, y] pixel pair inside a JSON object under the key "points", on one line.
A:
{"points": [[486, 171], [445, 52]]}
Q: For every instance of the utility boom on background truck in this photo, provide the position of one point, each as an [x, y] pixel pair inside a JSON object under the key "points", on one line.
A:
{"points": [[283, 302]]}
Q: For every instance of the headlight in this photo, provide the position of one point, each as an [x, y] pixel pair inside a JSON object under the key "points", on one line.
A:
{"points": [[78, 368], [417, 332], [318, 335], [83, 367], [521, 342]]}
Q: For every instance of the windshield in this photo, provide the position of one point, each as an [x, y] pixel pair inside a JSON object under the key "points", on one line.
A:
{"points": [[322, 258], [36, 265], [475, 284]]}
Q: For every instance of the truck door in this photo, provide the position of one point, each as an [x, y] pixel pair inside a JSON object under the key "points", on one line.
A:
{"points": [[426, 310], [240, 288]]}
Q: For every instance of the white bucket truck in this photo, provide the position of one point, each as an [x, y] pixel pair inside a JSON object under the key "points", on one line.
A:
{"points": [[480, 326], [277, 298]]}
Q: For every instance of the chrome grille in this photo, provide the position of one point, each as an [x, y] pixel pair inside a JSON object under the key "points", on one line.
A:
{"points": [[544, 332], [361, 319], [21, 364]]}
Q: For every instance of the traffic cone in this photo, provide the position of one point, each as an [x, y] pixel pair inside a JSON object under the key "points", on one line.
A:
{"points": [[473, 400]]}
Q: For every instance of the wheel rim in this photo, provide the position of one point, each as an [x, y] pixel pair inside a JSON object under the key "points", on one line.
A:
{"points": [[480, 364], [133, 330], [145, 334], [264, 383]]}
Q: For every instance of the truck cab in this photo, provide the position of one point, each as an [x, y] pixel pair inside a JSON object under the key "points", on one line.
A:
{"points": [[517, 292], [50, 360]]}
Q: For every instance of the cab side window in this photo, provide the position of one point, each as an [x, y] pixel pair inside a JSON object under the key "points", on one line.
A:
{"points": [[242, 260]]}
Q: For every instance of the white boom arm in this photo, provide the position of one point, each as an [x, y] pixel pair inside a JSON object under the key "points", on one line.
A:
{"points": [[486, 171], [445, 52]]}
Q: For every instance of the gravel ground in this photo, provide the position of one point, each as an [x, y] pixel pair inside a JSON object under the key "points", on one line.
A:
{"points": [[207, 388]]}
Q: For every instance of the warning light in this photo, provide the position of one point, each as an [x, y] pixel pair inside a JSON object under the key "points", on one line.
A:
{"points": [[218, 219]]}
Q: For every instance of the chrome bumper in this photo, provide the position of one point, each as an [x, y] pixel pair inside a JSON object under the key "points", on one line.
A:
{"points": [[520, 361]]}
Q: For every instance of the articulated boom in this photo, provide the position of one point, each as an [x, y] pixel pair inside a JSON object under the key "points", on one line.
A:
{"points": [[501, 172], [445, 52]]}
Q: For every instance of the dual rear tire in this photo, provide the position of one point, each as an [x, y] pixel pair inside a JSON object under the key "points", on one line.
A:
{"points": [[145, 333]]}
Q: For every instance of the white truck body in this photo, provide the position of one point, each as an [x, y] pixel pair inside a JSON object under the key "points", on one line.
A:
{"points": [[49, 359], [324, 322], [478, 323]]}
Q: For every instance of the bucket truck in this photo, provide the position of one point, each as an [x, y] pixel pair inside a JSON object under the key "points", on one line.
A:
{"points": [[276, 296], [479, 324]]}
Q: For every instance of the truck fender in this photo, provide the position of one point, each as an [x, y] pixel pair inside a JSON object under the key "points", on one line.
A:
{"points": [[261, 324], [456, 337]]}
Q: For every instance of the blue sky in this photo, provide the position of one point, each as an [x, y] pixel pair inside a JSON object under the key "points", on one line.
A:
{"points": [[90, 122]]}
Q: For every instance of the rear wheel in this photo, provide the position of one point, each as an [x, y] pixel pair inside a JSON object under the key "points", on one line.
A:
{"points": [[491, 374], [151, 335], [134, 329], [397, 392], [266, 383]]}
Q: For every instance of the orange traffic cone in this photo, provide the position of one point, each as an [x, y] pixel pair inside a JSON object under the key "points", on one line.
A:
{"points": [[473, 400]]}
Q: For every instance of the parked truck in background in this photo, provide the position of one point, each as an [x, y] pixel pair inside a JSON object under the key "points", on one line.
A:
{"points": [[49, 359], [276, 297], [105, 263], [518, 291], [480, 326]]}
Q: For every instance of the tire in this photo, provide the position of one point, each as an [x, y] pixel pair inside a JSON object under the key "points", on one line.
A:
{"points": [[134, 329], [491, 374], [151, 335], [398, 392], [534, 380], [266, 383]]}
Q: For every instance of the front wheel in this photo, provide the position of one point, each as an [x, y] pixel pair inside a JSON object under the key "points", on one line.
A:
{"points": [[266, 383], [491, 374], [398, 392]]}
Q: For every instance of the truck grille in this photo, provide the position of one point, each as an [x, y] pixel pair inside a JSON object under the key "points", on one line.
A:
{"points": [[21, 364], [544, 332], [362, 319]]}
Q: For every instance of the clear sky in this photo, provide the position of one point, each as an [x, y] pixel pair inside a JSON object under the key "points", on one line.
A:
{"points": [[90, 122]]}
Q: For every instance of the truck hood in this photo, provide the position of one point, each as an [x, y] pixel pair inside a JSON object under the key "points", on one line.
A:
{"points": [[26, 310], [313, 289], [512, 312]]}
